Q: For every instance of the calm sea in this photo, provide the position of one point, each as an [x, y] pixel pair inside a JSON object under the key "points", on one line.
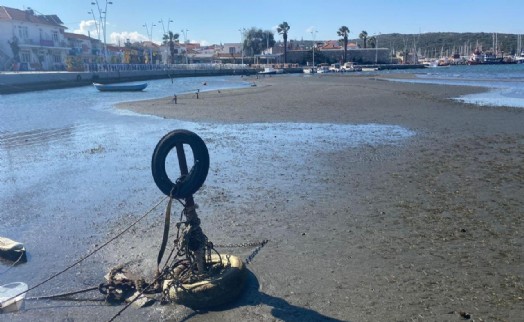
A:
{"points": [[506, 82]]}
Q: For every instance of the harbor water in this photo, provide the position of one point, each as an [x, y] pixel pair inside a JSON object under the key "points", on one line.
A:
{"points": [[504, 81]]}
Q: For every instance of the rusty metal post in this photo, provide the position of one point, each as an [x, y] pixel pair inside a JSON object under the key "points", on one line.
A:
{"points": [[196, 237]]}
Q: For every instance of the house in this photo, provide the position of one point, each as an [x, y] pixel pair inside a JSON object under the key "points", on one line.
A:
{"points": [[330, 45], [85, 47], [30, 41], [229, 53]]}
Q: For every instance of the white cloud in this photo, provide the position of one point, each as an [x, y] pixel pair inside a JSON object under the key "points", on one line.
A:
{"points": [[87, 27], [122, 37]]}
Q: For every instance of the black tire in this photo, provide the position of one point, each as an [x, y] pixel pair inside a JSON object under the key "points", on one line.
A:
{"points": [[197, 174]]}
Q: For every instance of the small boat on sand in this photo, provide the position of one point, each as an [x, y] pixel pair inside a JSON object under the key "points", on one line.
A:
{"points": [[120, 87], [12, 296], [12, 250]]}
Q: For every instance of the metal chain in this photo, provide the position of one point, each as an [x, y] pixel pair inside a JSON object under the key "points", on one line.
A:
{"points": [[241, 245]]}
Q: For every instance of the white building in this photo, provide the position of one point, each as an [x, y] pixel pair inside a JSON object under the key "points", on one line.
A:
{"points": [[38, 41]]}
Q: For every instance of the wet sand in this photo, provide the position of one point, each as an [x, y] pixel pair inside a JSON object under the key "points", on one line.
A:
{"points": [[420, 230]]}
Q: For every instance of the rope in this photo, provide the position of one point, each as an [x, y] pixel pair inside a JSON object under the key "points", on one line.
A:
{"points": [[48, 297], [92, 253], [137, 297], [13, 265]]}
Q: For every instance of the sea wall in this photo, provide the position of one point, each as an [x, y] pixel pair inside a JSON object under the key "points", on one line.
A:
{"points": [[30, 81]]}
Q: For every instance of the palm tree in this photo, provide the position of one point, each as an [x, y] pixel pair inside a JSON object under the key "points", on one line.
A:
{"points": [[282, 29], [344, 32], [373, 41], [170, 38], [364, 36]]}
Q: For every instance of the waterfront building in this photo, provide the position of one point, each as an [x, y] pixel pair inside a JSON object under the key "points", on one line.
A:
{"points": [[30, 41]]}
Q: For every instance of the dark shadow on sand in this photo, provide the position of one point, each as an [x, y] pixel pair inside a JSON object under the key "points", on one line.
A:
{"points": [[281, 309]]}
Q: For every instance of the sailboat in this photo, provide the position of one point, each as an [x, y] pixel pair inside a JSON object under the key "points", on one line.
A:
{"points": [[519, 55]]}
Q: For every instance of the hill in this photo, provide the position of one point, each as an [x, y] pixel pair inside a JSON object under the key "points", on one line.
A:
{"points": [[446, 43]]}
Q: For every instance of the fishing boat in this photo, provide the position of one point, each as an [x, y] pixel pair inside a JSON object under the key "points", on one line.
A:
{"points": [[120, 87]]}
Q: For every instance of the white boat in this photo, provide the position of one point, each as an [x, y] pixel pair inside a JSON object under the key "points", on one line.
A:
{"points": [[350, 67], [309, 70], [271, 70], [369, 69], [520, 59], [323, 69], [12, 296]]}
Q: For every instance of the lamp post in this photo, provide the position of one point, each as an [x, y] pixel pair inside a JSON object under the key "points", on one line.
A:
{"points": [[267, 47], [96, 23], [102, 22], [169, 40], [150, 35], [162, 22], [314, 33], [242, 31], [376, 49], [184, 32]]}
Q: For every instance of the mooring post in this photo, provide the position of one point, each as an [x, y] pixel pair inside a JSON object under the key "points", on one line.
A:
{"points": [[196, 238]]}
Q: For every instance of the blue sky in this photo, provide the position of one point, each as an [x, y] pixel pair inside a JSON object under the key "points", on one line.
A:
{"points": [[214, 22]]}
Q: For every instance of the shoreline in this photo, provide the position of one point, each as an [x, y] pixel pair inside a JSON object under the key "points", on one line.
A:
{"points": [[263, 104]]}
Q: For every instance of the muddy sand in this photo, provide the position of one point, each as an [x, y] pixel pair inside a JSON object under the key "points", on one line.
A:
{"points": [[425, 228]]}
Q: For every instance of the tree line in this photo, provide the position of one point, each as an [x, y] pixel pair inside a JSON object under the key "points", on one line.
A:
{"points": [[256, 40]]}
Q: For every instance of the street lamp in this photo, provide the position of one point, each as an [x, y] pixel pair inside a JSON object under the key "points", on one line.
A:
{"points": [[376, 49], [150, 35], [96, 23], [103, 22], [242, 32], [162, 22], [314, 33], [184, 32]]}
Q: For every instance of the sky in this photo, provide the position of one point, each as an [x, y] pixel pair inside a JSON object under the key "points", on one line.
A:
{"points": [[215, 22]]}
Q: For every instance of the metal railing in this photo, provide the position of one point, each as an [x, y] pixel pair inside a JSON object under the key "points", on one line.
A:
{"points": [[159, 67]]}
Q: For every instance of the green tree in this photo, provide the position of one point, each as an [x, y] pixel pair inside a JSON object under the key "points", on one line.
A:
{"points": [[282, 29], [372, 42], [344, 33], [256, 40], [364, 36], [169, 39]]}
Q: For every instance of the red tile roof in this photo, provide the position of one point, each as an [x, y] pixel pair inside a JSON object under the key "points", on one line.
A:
{"points": [[7, 13], [77, 36]]}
